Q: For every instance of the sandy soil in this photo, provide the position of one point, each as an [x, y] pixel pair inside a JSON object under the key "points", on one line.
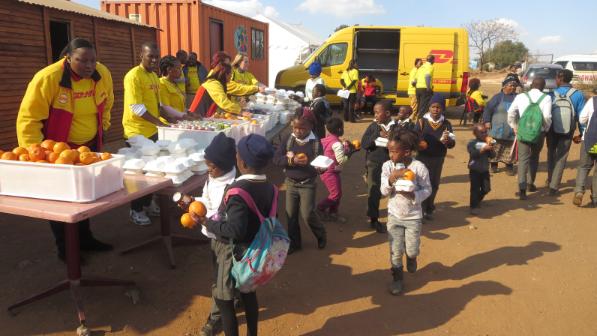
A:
{"points": [[519, 268]]}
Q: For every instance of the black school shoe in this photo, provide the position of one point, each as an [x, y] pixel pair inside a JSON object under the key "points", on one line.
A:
{"points": [[293, 249], [93, 244], [531, 187], [321, 243], [380, 228], [212, 327], [522, 195], [411, 264]]}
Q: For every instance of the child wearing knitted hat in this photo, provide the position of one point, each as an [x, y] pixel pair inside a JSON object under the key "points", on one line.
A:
{"points": [[237, 226], [314, 73], [437, 134]]}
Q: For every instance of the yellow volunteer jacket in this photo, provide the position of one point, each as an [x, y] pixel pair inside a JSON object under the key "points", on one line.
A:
{"points": [[237, 89], [210, 97], [245, 77], [172, 95], [422, 72], [411, 78], [48, 94], [351, 75], [478, 97], [140, 87], [193, 80]]}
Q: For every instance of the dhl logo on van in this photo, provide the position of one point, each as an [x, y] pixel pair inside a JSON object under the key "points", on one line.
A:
{"points": [[443, 56]]}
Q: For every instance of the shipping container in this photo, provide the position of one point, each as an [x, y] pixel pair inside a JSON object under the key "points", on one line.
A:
{"points": [[194, 26], [34, 34]]}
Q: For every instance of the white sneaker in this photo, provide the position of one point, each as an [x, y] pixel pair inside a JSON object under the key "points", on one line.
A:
{"points": [[140, 218], [153, 210]]}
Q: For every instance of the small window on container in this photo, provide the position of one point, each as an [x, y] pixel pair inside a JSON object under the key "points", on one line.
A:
{"points": [[257, 44]]}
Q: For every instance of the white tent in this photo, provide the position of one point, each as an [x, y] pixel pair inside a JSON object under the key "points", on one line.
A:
{"points": [[287, 44]]}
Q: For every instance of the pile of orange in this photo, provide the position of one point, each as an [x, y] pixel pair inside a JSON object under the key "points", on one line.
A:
{"points": [[50, 151], [196, 208], [356, 144]]}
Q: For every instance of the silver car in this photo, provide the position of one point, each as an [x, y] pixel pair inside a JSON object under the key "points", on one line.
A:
{"points": [[547, 71]]}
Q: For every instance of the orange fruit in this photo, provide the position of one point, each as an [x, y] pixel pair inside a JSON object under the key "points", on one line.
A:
{"points": [[301, 156], [489, 140], [48, 144], [1, 152], [83, 149], [356, 144], [70, 155], [42, 161], [87, 158], [60, 147], [20, 150], [423, 145], [36, 153], [52, 157], [187, 221], [227, 115], [24, 157], [105, 156], [9, 156], [198, 208], [65, 161], [409, 175]]}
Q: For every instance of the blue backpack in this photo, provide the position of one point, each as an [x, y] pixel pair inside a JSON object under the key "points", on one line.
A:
{"points": [[268, 250]]}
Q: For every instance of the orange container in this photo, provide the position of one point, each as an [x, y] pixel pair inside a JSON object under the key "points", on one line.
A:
{"points": [[194, 26]]}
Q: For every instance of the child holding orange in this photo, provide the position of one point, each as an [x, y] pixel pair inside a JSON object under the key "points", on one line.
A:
{"points": [[295, 155], [406, 182]]}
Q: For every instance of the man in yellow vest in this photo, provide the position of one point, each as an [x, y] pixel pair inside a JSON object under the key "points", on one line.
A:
{"points": [[424, 86]]}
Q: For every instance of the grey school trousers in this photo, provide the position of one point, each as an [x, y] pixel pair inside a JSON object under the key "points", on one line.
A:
{"points": [[300, 198], [587, 161], [528, 162], [404, 236], [558, 147]]}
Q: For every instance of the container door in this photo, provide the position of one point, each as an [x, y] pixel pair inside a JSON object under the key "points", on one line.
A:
{"points": [[216, 36], [420, 42]]}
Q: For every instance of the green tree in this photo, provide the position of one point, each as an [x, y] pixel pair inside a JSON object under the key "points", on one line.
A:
{"points": [[507, 52]]}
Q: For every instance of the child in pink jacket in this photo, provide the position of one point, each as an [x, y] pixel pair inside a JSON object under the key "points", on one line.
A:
{"points": [[339, 152]]}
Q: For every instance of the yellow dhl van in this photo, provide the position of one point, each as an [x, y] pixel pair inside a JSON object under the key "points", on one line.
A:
{"points": [[388, 53]]}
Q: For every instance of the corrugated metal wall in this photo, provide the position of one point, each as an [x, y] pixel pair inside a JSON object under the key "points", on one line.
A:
{"points": [[184, 25], [23, 52]]}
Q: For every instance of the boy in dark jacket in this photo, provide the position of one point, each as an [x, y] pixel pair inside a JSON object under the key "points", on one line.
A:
{"points": [[437, 136], [480, 150], [236, 226], [377, 154], [295, 154]]}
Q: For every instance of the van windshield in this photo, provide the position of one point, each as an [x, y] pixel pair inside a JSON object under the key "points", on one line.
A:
{"points": [[584, 66], [542, 72]]}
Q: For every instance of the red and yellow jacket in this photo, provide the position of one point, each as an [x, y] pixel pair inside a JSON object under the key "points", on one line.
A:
{"points": [[211, 96], [59, 105]]}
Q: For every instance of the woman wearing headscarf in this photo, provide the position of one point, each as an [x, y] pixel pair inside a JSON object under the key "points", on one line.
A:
{"points": [[69, 101], [495, 117]]}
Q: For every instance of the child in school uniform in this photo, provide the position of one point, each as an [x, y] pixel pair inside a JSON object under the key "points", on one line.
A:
{"points": [[480, 151], [220, 158], [437, 135], [377, 154], [403, 121], [404, 203], [335, 149], [236, 227], [295, 154]]}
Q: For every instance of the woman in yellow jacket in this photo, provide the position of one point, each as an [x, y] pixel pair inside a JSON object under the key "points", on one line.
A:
{"points": [[69, 101], [234, 88], [350, 81], [172, 91], [212, 95]]}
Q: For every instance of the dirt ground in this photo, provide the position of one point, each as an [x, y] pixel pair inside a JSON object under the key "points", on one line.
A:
{"points": [[519, 268]]}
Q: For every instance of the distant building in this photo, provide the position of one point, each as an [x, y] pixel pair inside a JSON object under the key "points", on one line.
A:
{"points": [[288, 44]]}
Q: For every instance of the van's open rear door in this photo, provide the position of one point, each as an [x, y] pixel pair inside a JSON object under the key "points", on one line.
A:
{"points": [[418, 43]]}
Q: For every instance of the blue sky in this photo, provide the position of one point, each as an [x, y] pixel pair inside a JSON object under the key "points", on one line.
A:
{"points": [[544, 26]]}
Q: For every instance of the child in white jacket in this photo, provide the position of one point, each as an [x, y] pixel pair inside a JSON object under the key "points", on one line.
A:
{"points": [[406, 182]]}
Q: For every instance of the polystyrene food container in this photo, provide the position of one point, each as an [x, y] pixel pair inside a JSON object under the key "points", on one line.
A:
{"points": [[203, 138], [58, 182]]}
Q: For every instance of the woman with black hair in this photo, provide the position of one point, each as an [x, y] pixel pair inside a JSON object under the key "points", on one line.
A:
{"points": [[69, 101], [172, 90]]}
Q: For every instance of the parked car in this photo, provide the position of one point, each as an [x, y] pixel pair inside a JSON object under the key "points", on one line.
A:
{"points": [[547, 71]]}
